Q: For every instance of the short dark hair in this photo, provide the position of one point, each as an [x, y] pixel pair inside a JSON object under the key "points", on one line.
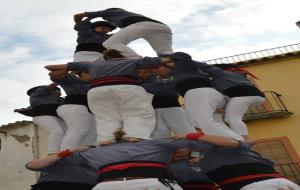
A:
{"points": [[31, 90], [111, 54], [115, 8]]}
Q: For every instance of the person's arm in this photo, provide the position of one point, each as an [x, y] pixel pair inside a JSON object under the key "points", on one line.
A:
{"points": [[51, 159], [60, 67], [83, 27], [96, 14], [211, 139], [25, 111], [72, 66], [56, 76], [78, 17], [154, 62]]}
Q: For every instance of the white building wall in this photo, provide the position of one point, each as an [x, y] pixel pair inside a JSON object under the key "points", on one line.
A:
{"points": [[20, 143]]}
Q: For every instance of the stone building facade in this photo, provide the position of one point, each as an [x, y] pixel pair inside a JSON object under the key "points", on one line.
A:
{"points": [[20, 142]]}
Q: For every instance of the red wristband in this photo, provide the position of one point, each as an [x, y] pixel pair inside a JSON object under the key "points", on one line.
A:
{"points": [[194, 136], [64, 153]]}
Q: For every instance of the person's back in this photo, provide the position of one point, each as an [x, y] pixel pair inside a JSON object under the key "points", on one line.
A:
{"points": [[90, 37], [114, 67], [120, 17], [134, 26], [170, 116], [64, 175], [223, 80], [201, 100], [233, 82], [241, 168], [43, 95], [44, 101]]}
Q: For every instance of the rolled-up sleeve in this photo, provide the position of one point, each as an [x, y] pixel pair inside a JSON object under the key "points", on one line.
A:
{"points": [[190, 144], [148, 62], [78, 66]]}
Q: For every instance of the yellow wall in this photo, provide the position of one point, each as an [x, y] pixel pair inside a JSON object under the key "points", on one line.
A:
{"points": [[282, 77]]}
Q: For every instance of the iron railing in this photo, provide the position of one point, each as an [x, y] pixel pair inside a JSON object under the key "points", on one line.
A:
{"points": [[273, 107], [291, 171], [257, 55]]}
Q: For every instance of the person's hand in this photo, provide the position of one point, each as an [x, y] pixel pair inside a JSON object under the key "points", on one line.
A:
{"points": [[79, 16], [25, 111], [181, 154], [194, 160], [21, 109]]}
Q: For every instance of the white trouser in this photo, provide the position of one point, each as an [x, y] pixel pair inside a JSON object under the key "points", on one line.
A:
{"points": [[235, 110], [91, 137], [272, 184], [171, 119], [135, 184], [87, 56], [78, 122], [159, 36], [200, 105], [56, 129], [122, 106]]}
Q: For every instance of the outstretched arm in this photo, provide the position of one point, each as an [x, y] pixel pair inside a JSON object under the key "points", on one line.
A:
{"points": [[25, 111], [51, 159], [61, 67], [216, 140]]}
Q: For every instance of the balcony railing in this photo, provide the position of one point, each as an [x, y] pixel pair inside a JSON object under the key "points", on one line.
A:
{"points": [[258, 55], [273, 107], [291, 171]]}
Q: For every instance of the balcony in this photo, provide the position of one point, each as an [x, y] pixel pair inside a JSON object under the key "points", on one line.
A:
{"points": [[273, 107], [259, 56]]}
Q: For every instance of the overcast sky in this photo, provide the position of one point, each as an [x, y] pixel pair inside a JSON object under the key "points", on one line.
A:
{"points": [[35, 33]]}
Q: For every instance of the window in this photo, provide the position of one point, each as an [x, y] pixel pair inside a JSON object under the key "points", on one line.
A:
{"points": [[282, 152]]}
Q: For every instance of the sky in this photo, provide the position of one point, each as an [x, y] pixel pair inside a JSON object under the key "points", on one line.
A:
{"points": [[35, 33]]}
